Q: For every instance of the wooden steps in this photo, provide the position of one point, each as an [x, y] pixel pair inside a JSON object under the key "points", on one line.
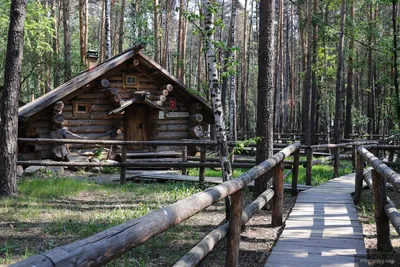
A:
{"points": [[322, 229]]}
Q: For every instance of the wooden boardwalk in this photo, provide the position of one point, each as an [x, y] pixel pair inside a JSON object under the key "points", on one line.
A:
{"points": [[322, 229]]}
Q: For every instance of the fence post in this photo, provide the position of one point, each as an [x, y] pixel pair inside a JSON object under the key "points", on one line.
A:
{"points": [[202, 170], [391, 156], [184, 159], [295, 173], [123, 168], [353, 156], [336, 161], [359, 178], [234, 230], [309, 165], [381, 219], [277, 200]]}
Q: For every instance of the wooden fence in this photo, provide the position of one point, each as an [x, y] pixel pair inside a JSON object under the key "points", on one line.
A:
{"points": [[384, 209], [107, 245], [334, 157], [195, 162]]}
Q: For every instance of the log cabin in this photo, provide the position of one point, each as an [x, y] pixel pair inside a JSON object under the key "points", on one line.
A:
{"points": [[128, 97]]}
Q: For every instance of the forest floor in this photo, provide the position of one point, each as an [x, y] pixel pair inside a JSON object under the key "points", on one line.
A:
{"points": [[51, 211], [366, 217]]}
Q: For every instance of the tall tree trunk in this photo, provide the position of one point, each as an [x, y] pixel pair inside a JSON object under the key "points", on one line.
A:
{"points": [[155, 14], [348, 128], [102, 32], [67, 42], [395, 74], [249, 58], [265, 94], [114, 28], [213, 81], [232, 91], [181, 39], [107, 28], [287, 73], [278, 71], [307, 84], [243, 103], [314, 85], [292, 74], [164, 60], [56, 42], [9, 99], [83, 29], [339, 75], [121, 28], [371, 83]]}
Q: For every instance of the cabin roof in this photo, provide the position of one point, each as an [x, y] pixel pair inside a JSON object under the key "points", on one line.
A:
{"points": [[151, 69]]}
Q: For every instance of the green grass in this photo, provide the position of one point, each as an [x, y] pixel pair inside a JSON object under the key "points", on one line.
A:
{"points": [[216, 173], [62, 210], [321, 173]]}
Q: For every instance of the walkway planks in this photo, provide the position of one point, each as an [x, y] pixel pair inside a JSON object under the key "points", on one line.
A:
{"points": [[322, 229]]}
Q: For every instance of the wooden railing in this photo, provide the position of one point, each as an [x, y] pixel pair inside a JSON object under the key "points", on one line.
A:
{"points": [[107, 245], [334, 157], [124, 164], [201, 162], [384, 209]]}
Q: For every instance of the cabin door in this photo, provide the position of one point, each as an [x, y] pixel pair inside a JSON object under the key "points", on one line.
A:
{"points": [[136, 125]]}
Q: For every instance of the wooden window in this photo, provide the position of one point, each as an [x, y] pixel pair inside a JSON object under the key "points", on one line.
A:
{"points": [[81, 109], [131, 80]]}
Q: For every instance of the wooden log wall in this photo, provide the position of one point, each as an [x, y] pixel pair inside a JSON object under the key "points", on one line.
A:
{"points": [[86, 115]]}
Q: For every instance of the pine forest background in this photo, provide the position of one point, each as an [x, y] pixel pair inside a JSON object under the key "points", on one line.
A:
{"points": [[307, 39]]}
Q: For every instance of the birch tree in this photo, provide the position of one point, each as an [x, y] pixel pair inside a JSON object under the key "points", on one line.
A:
{"points": [[107, 29], [214, 87]]}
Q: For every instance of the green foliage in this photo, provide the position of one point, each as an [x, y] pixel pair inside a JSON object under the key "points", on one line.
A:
{"points": [[37, 46], [240, 145], [98, 151]]}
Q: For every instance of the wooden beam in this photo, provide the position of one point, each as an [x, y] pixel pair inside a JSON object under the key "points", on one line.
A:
{"points": [[381, 219], [277, 201], [234, 230]]}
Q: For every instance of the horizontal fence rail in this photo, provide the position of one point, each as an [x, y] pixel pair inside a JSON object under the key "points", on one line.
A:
{"points": [[111, 243], [186, 161], [385, 211]]}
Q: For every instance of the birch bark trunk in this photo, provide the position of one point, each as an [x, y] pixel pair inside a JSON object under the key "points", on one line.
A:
{"points": [[107, 29], [213, 83]]}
